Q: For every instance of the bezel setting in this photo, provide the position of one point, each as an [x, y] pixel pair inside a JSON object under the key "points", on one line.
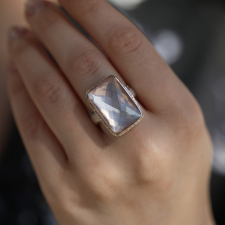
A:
{"points": [[102, 119]]}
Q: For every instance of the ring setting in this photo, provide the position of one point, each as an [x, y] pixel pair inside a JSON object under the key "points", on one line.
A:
{"points": [[114, 105]]}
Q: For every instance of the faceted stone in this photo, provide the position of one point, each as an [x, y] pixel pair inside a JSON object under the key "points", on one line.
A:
{"points": [[114, 104]]}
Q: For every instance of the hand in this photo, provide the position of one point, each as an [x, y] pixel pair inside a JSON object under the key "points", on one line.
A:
{"points": [[157, 173]]}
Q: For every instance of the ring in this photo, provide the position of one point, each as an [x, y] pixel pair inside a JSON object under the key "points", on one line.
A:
{"points": [[95, 117], [114, 105]]}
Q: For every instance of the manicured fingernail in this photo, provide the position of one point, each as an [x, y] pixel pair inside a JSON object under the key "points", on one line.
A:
{"points": [[15, 33], [34, 6], [12, 67]]}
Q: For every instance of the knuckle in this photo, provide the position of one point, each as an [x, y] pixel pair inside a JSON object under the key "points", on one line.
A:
{"points": [[153, 165], [110, 182], [126, 41], [49, 89], [85, 64], [148, 155], [106, 190], [147, 160]]}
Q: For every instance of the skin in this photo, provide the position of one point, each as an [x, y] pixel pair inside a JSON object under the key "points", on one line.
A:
{"points": [[14, 9], [157, 173], [11, 12]]}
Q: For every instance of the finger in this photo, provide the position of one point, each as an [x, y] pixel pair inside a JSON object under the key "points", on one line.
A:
{"points": [[81, 61], [45, 152], [51, 93], [132, 54]]}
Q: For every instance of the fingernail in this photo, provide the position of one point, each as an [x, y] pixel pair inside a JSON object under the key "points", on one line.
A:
{"points": [[15, 33], [34, 6], [12, 67]]}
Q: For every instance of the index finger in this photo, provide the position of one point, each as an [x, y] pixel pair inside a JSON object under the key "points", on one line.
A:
{"points": [[140, 65]]}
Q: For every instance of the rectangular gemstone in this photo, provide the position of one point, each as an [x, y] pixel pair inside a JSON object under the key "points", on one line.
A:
{"points": [[114, 105]]}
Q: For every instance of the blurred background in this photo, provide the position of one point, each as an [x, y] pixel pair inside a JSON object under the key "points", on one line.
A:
{"points": [[190, 36]]}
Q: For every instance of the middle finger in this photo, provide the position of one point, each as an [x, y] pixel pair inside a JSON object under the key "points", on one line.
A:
{"points": [[82, 62]]}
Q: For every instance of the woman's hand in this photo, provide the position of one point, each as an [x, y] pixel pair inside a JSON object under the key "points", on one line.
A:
{"points": [[157, 173]]}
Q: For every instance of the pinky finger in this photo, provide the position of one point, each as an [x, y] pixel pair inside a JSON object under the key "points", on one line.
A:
{"points": [[44, 150]]}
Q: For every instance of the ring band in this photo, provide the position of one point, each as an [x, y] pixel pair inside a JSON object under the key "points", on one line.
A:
{"points": [[95, 118], [114, 105]]}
